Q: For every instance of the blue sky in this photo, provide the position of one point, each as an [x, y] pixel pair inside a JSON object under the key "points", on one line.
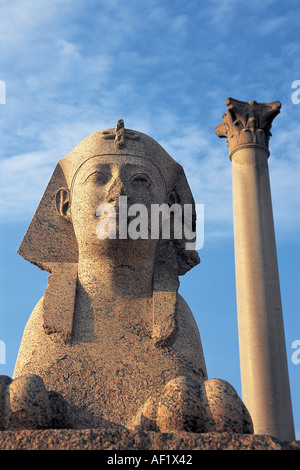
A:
{"points": [[166, 67]]}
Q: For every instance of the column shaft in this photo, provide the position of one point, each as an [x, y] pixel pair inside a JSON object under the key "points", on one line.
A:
{"points": [[264, 371]]}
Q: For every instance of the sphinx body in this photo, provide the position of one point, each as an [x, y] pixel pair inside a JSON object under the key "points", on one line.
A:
{"points": [[112, 375], [112, 340]]}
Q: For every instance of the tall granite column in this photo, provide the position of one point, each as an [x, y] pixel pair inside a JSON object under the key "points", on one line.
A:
{"points": [[264, 371]]}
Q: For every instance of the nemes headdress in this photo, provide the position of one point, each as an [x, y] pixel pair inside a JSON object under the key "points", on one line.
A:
{"points": [[50, 242]]}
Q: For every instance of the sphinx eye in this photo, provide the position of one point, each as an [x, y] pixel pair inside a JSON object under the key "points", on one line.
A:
{"points": [[98, 178], [140, 180]]}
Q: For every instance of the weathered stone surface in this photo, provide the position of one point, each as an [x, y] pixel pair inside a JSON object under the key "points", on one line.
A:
{"points": [[123, 439], [4, 383]]}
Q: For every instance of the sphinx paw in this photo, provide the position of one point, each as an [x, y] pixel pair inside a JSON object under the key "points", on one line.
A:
{"points": [[226, 411], [186, 405], [24, 403], [180, 406]]}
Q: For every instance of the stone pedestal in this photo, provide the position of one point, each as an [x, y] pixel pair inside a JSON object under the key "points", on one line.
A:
{"points": [[264, 371], [122, 439]]}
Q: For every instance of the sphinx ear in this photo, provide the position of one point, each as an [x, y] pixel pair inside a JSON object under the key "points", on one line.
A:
{"points": [[173, 198], [63, 204]]}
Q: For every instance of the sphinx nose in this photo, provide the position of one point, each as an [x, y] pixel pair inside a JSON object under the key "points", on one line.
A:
{"points": [[116, 190]]}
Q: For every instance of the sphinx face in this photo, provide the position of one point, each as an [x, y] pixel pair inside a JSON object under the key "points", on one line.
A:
{"points": [[111, 200]]}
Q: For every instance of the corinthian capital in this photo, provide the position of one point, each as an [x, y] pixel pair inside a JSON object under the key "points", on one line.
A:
{"points": [[247, 123]]}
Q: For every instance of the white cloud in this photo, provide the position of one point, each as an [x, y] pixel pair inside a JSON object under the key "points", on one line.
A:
{"points": [[68, 49], [23, 179]]}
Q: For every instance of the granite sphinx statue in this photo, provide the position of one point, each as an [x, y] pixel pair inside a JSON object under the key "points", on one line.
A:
{"points": [[111, 340]]}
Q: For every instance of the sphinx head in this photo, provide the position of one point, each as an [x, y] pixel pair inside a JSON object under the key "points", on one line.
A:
{"points": [[88, 192]]}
